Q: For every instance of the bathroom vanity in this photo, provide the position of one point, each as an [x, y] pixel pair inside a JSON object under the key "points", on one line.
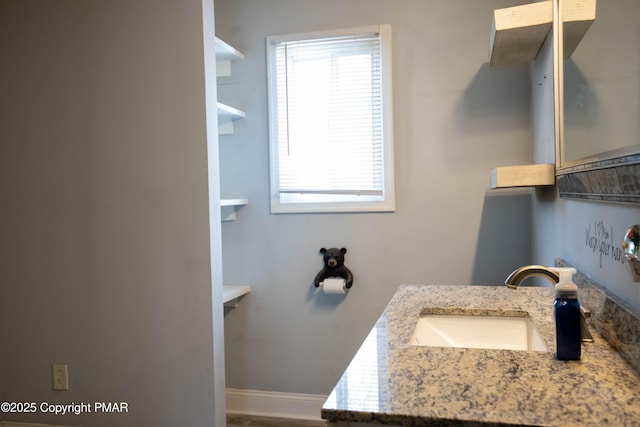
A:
{"points": [[395, 382]]}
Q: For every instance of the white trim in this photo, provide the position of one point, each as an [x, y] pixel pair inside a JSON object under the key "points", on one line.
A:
{"points": [[274, 404]]}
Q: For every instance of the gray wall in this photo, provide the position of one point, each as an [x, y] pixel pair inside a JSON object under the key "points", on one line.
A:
{"points": [[588, 235], [455, 120], [104, 237]]}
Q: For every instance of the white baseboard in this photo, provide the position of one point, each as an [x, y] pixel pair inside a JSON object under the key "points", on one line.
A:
{"points": [[274, 404]]}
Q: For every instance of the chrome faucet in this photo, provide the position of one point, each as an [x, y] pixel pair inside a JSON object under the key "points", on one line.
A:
{"points": [[515, 278]]}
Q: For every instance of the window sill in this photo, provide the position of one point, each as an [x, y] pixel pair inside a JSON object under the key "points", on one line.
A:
{"points": [[354, 207]]}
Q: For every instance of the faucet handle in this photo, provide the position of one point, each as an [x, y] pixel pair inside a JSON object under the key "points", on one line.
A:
{"points": [[631, 248]]}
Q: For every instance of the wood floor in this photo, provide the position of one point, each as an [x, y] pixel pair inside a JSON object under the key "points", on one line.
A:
{"points": [[247, 420]]}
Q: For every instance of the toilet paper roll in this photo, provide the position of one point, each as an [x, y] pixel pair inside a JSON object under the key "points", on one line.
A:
{"points": [[333, 285]]}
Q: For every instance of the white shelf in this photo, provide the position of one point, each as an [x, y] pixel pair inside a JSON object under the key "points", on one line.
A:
{"points": [[226, 52], [518, 32], [231, 294], [523, 176], [224, 55], [234, 202], [226, 116], [229, 207]]}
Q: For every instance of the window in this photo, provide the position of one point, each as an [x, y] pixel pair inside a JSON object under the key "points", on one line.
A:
{"points": [[330, 118]]}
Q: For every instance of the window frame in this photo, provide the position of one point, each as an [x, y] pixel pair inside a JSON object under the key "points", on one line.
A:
{"points": [[387, 203]]}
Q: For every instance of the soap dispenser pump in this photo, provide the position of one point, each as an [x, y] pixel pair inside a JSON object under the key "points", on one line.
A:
{"points": [[567, 316]]}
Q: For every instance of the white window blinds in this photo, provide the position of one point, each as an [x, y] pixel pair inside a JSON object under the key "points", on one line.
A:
{"points": [[327, 118]]}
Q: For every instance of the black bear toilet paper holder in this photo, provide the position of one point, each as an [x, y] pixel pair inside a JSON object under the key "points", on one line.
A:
{"points": [[333, 260]]}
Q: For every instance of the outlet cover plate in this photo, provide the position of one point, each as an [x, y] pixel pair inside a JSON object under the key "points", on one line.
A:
{"points": [[60, 376]]}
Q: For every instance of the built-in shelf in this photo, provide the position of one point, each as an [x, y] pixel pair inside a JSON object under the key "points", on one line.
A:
{"points": [[523, 176], [226, 116], [225, 54], [517, 33], [231, 295], [234, 202], [229, 207]]}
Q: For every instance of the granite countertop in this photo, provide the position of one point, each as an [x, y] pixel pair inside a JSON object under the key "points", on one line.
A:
{"points": [[390, 381]]}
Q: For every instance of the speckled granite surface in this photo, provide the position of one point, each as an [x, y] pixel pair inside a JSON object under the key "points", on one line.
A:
{"points": [[392, 382]]}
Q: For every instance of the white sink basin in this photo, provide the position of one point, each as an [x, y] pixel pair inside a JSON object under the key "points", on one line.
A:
{"points": [[478, 331]]}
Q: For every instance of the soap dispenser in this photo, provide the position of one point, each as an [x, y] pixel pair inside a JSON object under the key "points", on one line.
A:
{"points": [[567, 316]]}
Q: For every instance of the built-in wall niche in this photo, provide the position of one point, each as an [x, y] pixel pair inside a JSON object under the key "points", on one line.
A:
{"points": [[227, 115], [225, 56]]}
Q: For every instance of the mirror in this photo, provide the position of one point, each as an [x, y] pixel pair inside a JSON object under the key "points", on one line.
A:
{"points": [[601, 102], [602, 83]]}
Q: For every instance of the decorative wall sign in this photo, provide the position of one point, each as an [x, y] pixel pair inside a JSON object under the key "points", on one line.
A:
{"points": [[599, 237]]}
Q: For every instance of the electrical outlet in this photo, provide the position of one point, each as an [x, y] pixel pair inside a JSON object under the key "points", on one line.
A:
{"points": [[60, 377]]}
